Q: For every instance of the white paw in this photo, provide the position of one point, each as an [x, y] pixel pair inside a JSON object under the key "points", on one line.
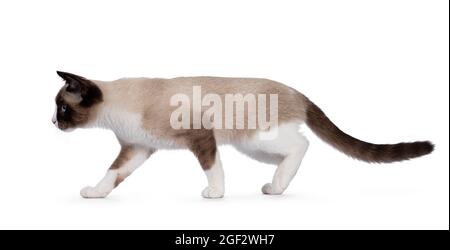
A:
{"points": [[269, 188], [90, 192], [212, 192]]}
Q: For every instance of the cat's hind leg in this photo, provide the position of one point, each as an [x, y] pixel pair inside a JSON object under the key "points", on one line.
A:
{"points": [[128, 160], [286, 150]]}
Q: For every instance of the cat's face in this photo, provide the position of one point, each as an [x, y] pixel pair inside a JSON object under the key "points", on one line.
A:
{"points": [[74, 102]]}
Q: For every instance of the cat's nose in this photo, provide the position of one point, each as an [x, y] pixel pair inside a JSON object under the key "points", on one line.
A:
{"points": [[54, 121]]}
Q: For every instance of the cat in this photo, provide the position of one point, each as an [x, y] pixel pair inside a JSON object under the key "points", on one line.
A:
{"points": [[138, 111]]}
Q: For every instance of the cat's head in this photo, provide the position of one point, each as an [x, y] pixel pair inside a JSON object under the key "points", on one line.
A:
{"points": [[75, 101]]}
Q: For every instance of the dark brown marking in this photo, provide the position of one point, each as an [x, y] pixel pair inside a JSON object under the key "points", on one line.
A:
{"points": [[89, 92], [126, 152], [71, 113], [382, 153], [120, 178], [203, 144], [125, 155]]}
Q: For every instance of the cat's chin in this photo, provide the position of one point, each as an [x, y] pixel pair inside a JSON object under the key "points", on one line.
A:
{"points": [[67, 130]]}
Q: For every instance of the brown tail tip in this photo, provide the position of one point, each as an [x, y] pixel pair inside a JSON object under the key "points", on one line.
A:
{"points": [[425, 147], [386, 153]]}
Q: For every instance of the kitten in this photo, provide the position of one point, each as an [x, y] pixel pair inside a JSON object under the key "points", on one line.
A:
{"points": [[139, 111]]}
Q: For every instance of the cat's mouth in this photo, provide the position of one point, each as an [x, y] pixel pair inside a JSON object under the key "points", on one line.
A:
{"points": [[62, 127]]}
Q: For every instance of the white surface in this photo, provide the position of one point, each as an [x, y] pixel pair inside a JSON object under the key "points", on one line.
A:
{"points": [[379, 69]]}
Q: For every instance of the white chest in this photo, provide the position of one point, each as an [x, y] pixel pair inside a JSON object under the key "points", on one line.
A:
{"points": [[128, 129]]}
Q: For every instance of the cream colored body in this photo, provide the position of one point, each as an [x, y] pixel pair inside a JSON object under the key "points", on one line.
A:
{"points": [[147, 101], [137, 110], [140, 113]]}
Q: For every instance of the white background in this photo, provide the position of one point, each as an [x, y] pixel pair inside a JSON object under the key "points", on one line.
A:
{"points": [[379, 69]]}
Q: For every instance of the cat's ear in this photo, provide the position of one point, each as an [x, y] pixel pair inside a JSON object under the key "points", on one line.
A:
{"points": [[75, 84], [81, 87]]}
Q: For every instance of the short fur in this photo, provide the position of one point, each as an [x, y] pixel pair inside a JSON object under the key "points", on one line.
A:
{"points": [[138, 111]]}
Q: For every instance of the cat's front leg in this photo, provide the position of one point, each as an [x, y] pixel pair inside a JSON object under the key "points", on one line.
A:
{"points": [[203, 144], [128, 160], [215, 188]]}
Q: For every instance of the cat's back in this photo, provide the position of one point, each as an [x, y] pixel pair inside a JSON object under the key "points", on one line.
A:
{"points": [[226, 85], [208, 84]]}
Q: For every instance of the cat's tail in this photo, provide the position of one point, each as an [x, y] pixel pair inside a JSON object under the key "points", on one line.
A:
{"points": [[361, 150]]}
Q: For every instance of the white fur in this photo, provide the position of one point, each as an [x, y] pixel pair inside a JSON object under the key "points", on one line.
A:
{"points": [[106, 185], [216, 187], [287, 150], [103, 188], [54, 117], [128, 128], [286, 137]]}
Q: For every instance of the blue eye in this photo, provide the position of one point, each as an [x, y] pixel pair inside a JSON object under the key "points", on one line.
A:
{"points": [[64, 108]]}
